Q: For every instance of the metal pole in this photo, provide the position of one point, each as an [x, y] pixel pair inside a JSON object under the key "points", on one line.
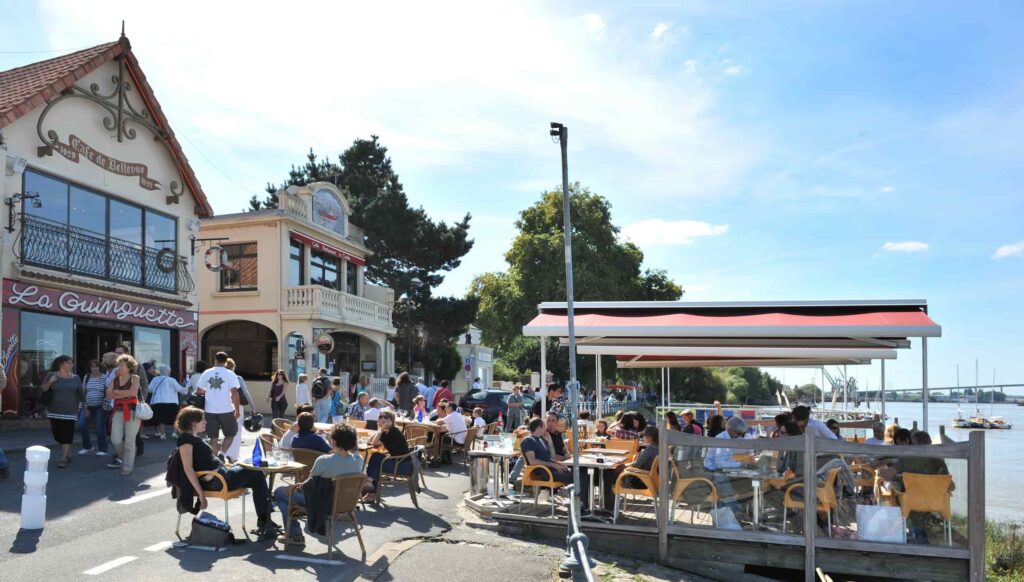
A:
{"points": [[542, 390], [924, 383], [883, 390], [846, 390], [597, 388], [822, 389], [408, 332]]}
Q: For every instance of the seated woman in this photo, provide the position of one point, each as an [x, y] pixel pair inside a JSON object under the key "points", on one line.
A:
{"points": [[344, 460], [419, 408], [625, 428], [197, 456], [644, 461], [307, 438], [394, 442], [602, 428]]}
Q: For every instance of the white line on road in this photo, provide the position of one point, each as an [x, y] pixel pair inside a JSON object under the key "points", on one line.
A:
{"points": [[159, 546], [144, 496], [110, 565], [310, 560]]}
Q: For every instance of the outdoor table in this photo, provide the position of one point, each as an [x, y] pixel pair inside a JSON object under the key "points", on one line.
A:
{"points": [[596, 441], [590, 463], [434, 428], [756, 476], [498, 470], [277, 467]]}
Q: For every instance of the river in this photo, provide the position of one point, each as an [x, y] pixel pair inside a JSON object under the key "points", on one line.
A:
{"points": [[1004, 449]]}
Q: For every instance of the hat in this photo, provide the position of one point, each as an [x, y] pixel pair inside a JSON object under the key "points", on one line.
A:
{"points": [[687, 411]]}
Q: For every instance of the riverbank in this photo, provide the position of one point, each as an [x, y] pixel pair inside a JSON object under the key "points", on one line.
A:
{"points": [[1004, 551]]}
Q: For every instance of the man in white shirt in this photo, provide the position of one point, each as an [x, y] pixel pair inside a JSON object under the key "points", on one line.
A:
{"points": [[220, 387], [802, 416], [454, 424], [878, 435], [476, 384], [719, 459]]}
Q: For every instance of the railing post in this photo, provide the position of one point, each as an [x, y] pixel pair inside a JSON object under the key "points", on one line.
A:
{"points": [[664, 511], [810, 505], [976, 504]]}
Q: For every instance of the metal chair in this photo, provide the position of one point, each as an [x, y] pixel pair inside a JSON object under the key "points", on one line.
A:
{"points": [[928, 494], [225, 494]]}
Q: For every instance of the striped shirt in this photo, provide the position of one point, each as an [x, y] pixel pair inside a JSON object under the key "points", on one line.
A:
{"points": [[95, 387]]}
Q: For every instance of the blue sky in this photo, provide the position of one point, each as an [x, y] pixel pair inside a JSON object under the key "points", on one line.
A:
{"points": [[782, 150]]}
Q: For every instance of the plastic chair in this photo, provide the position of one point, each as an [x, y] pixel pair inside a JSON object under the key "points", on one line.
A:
{"points": [[225, 494], [280, 426], [826, 500], [540, 477], [633, 446], [649, 479], [680, 488], [929, 494]]}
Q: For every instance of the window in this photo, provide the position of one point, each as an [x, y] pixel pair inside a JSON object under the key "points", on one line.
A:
{"points": [[296, 264], [154, 346], [78, 230], [324, 270], [353, 274], [43, 338], [240, 274], [253, 347]]}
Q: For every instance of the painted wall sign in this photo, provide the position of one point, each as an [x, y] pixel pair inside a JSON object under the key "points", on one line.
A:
{"points": [[327, 211], [25, 295], [76, 148]]}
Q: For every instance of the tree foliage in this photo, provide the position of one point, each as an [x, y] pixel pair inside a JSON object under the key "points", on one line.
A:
{"points": [[405, 244]]}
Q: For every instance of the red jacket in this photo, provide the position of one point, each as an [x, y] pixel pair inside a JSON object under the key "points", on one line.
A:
{"points": [[443, 393]]}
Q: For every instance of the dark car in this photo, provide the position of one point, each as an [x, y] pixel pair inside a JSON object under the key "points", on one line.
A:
{"points": [[492, 401]]}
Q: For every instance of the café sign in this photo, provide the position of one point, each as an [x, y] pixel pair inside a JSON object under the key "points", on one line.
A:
{"points": [[76, 149], [17, 294]]}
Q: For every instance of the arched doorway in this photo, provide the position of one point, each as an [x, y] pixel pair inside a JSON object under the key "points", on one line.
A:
{"points": [[253, 347], [354, 354]]}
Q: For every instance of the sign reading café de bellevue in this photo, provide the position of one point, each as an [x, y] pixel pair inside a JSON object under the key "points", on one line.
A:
{"points": [[27, 296], [76, 147]]}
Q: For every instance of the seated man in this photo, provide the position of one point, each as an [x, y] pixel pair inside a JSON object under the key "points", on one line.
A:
{"points": [[376, 406], [535, 452], [556, 442], [718, 460], [877, 435], [306, 437], [643, 463], [344, 460], [293, 430], [357, 410], [454, 424]]}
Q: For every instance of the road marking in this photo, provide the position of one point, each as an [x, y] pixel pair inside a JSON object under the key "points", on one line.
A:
{"points": [[157, 547], [144, 496], [309, 560], [110, 565]]}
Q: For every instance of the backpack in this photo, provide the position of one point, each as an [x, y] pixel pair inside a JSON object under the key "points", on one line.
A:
{"points": [[319, 389]]}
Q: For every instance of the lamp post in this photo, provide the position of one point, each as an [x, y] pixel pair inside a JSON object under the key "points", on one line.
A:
{"points": [[416, 283]]}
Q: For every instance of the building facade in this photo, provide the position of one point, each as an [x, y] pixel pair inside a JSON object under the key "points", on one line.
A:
{"points": [[477, 362], [291, 294], [100, 206]]}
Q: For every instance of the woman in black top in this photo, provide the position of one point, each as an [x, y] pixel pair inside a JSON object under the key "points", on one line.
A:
{"points": [[196, 455], [394, 441]]}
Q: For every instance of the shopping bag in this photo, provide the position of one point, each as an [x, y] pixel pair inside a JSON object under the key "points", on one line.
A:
{"points": [[880, 523]]}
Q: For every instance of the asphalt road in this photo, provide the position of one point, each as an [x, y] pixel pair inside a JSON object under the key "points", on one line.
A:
{"points": [[100, 524]]}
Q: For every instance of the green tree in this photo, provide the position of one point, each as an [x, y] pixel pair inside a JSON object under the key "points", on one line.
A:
{"points": [[406, 244], [604, 268]]}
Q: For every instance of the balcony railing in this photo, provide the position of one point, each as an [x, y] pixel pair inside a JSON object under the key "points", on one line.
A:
{"points": [[45, 243], [338, 306]]}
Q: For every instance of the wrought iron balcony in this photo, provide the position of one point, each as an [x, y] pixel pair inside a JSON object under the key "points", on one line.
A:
{"points": [[45, 243]]}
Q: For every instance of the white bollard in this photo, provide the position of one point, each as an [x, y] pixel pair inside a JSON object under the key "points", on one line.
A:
{"points": [[33, 502]]}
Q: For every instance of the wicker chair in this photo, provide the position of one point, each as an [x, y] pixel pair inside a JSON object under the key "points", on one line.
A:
{"points": [[225, 494], [467, 445], [306, 457], [280, 426], [347, 492], [394, 477]]}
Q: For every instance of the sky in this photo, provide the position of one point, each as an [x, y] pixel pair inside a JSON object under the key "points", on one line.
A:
{"points": [[753, 150]]}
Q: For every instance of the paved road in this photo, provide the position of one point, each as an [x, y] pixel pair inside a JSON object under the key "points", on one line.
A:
{"points": [[102, 524]]}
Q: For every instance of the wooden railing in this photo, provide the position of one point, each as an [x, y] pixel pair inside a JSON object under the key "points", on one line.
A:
{"points": [[972, 558], [338, 306]]}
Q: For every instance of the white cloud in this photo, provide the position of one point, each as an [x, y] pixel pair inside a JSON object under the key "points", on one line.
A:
{"points": [[659, 35], [1007, 251], [594, 25], [732, 70], [887, 189], [690, 65], [658, 232], [909, 246]]}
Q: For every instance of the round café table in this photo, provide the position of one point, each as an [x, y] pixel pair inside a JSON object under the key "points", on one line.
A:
{"points": [[279, 468]]}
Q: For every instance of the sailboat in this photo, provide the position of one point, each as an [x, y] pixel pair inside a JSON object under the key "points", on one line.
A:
{"points": [[996, 422], [978, 420], [960, 421]]}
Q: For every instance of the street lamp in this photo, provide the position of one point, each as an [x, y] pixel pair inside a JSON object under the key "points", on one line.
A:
{"points": [[416, 284]]}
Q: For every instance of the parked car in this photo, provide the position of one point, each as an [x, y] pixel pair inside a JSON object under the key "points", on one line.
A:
{"points": [[492, 401]]}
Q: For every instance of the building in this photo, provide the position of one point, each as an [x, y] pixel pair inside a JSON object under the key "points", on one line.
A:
{"points": [[477, 362], [292, 293], [99, 208]]}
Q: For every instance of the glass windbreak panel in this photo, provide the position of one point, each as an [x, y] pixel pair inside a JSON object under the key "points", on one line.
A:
{"points": [[53, 197], [126, 242], [43, 338], [153, 346], [900, 500], [88, 244], [295, 264], [323, 270], [753, 488]]}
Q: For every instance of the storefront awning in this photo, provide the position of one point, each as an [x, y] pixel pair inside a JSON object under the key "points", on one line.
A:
{"points": [[324, 247]]}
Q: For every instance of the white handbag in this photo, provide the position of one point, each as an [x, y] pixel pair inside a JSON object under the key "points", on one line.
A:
{"points": [[880, 523], [143, 411]]}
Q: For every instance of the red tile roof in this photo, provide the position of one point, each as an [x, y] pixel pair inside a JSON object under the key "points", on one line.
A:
{"points": [[24, 88]]}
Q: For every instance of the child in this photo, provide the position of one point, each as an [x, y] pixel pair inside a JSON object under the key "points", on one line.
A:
{"points": [[302, 392], [478, 417], [419, 408]]}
